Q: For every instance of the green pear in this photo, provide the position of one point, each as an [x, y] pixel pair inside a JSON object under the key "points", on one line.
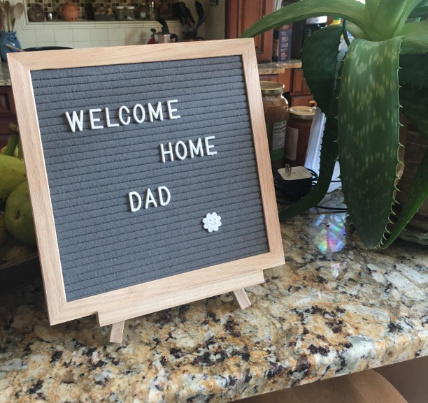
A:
{"points": [[12, 173], [13, 251], [19, 216]]}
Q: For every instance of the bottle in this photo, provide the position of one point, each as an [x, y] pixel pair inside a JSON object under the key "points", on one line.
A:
{"points": [[151, 11], [143, 12], [130, 10], [275, 107], [120, 13], [298, 132]]}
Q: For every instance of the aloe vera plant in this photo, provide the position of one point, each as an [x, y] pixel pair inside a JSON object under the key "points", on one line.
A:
{"points": [[382, 75]]}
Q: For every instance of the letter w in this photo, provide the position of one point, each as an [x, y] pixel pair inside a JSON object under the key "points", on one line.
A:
{"points": [[75, 120]]}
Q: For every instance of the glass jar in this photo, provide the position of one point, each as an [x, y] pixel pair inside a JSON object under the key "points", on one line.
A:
{"points": [[151, 15], [298, 132], [143, 12], [130, 10], [275, 107], [120, 13]]}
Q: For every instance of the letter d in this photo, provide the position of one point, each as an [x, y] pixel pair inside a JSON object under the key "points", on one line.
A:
{"points": [[131, 196], [162, 201]]}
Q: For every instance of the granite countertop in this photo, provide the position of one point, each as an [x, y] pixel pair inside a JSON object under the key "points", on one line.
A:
{"points": [[4, 75], [264, 68], [334, 308]]}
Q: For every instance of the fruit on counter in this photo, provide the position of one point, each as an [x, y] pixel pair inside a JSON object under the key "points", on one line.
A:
{"points": [[13, 146], [4, 236], [12, 173], [14, 251], [15, 152], [18, 215]]}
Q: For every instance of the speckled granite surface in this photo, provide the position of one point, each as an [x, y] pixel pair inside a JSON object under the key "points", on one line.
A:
{"points": [[4, 75], [333, 309]]}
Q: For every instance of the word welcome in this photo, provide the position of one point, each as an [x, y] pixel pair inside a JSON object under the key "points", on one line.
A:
{"points": [[101, 118]]}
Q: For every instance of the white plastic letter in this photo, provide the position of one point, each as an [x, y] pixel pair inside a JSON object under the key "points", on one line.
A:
{"points": [[131, 196], [163, 152], [171, 110], [134, 113], [75, 120], [109, 124], [128, 120], [155, 114], [184, 150], [162, 201], [93, 120], [208, 146], [150, 199], [196, 150]]}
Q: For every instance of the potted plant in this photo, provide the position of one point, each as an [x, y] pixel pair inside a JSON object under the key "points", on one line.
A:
{"points": [[382, 76]]}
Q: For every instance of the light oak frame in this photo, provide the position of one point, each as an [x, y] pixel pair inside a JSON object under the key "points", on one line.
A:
{"points": [[115, 307]]}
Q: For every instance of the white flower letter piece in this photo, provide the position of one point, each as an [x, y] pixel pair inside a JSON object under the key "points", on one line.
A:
{"points": [[212, 222]]}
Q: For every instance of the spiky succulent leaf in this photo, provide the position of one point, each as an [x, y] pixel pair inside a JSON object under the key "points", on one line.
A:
{"points": [[413, 70], [415, 37], [328, 160], [319, 63], [351, 10], [421, 10], [391, 16], [371, 10], [415, 107], [368, 134], [355, 31], [417, 194]]}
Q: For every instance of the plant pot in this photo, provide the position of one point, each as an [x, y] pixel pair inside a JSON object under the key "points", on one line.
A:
{"points": [[8, 38]]}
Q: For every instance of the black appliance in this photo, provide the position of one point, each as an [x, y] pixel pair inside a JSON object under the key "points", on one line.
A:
{"points": [[302, 30]]}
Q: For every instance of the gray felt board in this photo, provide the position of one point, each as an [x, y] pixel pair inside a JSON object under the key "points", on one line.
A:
{"points": [[103, 245]]}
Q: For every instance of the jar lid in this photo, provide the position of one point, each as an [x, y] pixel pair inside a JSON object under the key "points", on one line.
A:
{"points": [[302, 112], [120, 8], [270, 87], [130, 7]]}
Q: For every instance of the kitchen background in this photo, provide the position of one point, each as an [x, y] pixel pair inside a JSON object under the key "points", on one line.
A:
{"points": [[84, 33]]}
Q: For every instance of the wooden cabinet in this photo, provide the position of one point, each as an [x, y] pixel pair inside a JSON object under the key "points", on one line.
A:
{"points": [[300, 94], [7, 113], [241, 14]]}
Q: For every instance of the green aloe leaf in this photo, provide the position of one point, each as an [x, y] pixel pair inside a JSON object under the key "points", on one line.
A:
{"points": [[319, 63], [415, 37], [415, 106], [421, 10], [328, 160], [369, 134], [413, 70], [351, 10], [417, 194], [392, 15]]}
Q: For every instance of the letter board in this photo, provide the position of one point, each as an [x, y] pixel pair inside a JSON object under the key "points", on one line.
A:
{"points": [[142, 167]]}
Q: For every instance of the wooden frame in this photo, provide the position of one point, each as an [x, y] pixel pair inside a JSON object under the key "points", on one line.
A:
{"points": [[116, 306]]}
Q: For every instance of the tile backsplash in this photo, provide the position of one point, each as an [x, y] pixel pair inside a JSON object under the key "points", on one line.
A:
{"points": [[163, 7], [83, 33]]}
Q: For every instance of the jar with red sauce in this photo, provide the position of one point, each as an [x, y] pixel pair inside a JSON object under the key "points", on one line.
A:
{"points": [[298, 132], [275, 107]]}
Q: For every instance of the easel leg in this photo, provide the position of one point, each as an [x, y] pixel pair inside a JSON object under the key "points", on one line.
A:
{"points": [[116, 332], [242, 298]]}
